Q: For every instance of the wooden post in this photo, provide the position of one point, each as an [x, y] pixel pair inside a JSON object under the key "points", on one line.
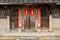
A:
{"points": [[50, 23], [8, 24], [19, 20], [38, 19]]}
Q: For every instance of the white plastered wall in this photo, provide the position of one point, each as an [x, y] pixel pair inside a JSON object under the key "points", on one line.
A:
{"points": [[4, 24], [56, 23]]}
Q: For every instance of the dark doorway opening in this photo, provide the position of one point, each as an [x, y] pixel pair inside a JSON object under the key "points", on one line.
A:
{"points": [[45, 12]]}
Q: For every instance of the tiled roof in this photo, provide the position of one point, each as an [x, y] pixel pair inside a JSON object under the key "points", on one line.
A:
{"points": [[27, 1]]}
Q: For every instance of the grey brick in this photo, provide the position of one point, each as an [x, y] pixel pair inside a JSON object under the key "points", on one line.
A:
{"points": [[11, 1], [40, 1], [20, 1], [26, 1], [31, 1], [45, 1], [50, 0], [15, 1], [1, 1], [6, 1], [36, 1]]}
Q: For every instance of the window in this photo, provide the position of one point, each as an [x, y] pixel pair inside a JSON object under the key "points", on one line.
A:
{"points": [[56, 12]]}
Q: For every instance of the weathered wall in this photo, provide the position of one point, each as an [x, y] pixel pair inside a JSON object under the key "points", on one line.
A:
{"points": [[56, 23], [3, 25]]}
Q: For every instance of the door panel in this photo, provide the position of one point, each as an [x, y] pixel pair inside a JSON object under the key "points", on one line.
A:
{"points": [[29, 22]]}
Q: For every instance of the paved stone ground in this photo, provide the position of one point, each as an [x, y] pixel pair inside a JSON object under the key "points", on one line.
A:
{"points": [[30, 35]]}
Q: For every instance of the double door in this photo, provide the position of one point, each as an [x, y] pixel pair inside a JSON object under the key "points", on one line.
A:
{"points": [[29, 18]]}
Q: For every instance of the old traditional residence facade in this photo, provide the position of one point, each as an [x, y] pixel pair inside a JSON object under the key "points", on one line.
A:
{"points": [[29, 19]]}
